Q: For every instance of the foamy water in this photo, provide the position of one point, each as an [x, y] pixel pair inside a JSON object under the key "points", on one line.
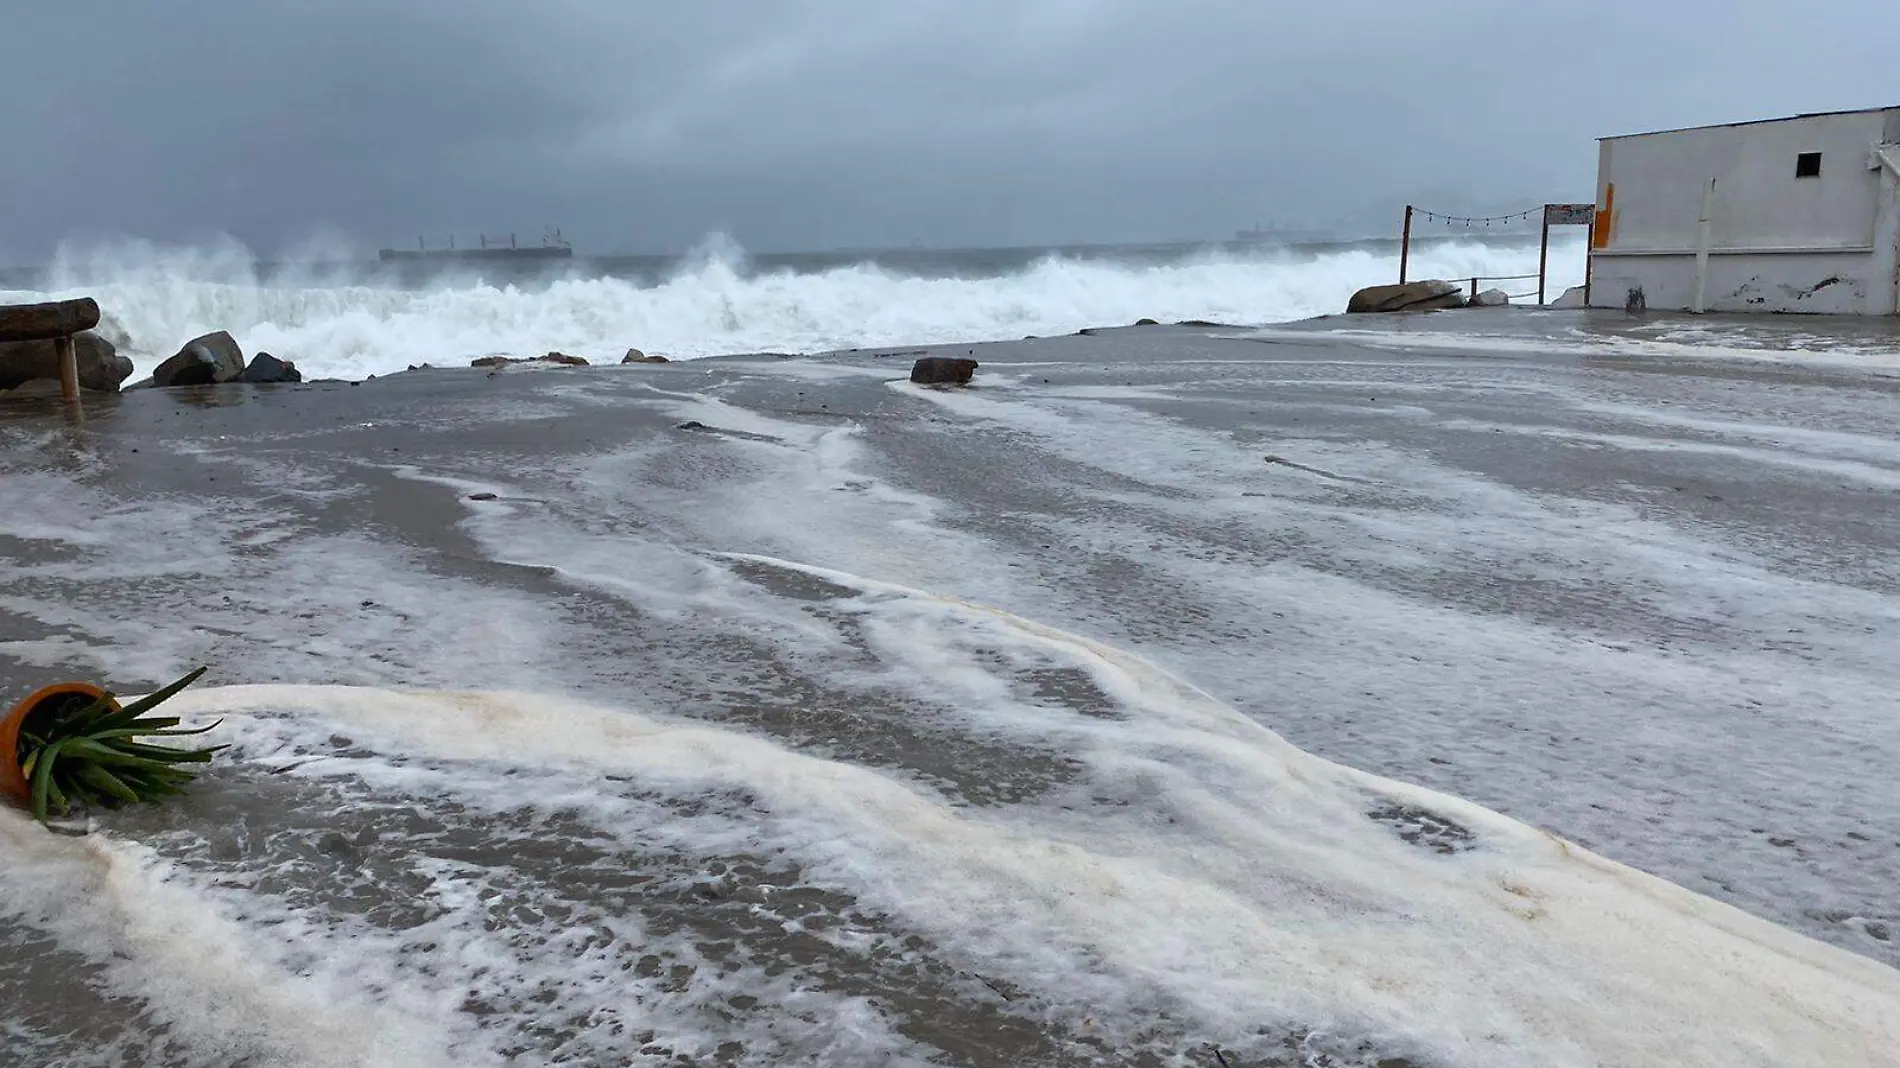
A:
{"points": [[714, 303], [959, 727]]}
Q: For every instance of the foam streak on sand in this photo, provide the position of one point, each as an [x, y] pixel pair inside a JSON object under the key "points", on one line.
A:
{"points": [[1248, 892], [852, 725]]}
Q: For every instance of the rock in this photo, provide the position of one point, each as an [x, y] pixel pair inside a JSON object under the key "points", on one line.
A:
{"points": [[1572, 298], [560, 359], [43, 322], [1490, 298], [267, 368], [1411, 296], [203, 361], [101, 368], [39, 387], [942, 371], [1146, 322], [483, 497], [636, 356]]}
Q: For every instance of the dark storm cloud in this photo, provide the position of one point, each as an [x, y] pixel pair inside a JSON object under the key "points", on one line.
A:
{"points": [[849, 122]]}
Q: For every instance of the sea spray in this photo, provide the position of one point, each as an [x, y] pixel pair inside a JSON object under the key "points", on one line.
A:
{"points": [[350, 320]]}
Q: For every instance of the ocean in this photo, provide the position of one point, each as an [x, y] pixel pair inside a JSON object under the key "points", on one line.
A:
{"points": [[351, 319], [1472, 690]]}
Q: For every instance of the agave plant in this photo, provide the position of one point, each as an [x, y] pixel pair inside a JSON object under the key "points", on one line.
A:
{"points": [[90, 752]]}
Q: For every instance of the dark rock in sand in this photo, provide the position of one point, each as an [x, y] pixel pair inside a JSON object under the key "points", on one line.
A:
{"points": [[491, 361], [942, 371], [1146, 322], [564, 359], [101, 368], [483, 497], [636, 356], [203, 361], [1412, 296], [267, 368]]}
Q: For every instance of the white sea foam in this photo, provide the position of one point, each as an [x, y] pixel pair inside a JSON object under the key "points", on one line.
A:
{"points": [[1196, 871], [334, 325], [1235, 880], [1843, 349]]}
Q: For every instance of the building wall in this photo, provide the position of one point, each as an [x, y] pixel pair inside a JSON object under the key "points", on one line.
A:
{"points": [[1817, 282], [1777, 242]]}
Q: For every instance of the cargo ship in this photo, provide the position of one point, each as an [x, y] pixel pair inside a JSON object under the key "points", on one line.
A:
{"points": [[1278, 235], [552, 247]]}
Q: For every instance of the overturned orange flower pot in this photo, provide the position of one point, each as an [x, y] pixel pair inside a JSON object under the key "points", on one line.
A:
{"points": [[74, 746], [46, 700]]}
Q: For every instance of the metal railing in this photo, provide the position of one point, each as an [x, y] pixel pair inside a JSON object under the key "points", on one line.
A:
{"points": [[1547, 214], [1476, 278]]}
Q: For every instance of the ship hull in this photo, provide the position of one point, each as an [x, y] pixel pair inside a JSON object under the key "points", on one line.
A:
{"points": [[549, 253]]}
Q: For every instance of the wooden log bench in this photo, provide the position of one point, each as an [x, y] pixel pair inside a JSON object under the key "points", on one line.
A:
{"points": [[57, 322]]}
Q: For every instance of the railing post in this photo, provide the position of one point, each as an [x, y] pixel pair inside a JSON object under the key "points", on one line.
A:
{"points": [[1405, 244], [1543, 257]]}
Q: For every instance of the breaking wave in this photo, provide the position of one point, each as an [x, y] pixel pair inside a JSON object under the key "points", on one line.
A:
{"points": [[349, 321]]}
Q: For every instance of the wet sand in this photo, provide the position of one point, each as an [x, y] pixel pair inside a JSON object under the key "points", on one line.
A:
{"points": [[1644, 603]]}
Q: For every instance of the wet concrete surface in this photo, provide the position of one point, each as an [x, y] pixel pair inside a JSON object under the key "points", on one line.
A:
{"points": [[1642, 602]]}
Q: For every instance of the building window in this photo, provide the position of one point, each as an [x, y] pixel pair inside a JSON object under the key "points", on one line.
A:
{"points": [[1807, 165]]}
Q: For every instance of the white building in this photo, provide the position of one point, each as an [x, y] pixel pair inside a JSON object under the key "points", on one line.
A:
{"points": [[1784, 215]]}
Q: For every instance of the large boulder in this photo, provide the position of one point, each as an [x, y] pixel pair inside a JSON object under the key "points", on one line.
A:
{"points": [[43, 322], [1490, 298], [101, 368], [942, 371], [1408, 296], [202, 362], [1572, 298], [636, 356], [265, 368]]}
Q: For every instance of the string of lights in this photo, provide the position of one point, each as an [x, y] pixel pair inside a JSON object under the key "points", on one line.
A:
{"points": [[1469, 221]]}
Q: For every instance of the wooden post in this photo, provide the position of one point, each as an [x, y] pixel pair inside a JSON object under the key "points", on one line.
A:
{"points": [[1543, 257], [1405, 244], [1474, 289], [68, 369]]}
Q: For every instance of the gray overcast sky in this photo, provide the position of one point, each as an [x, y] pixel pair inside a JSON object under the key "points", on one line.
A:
{"points": [[811, 124]]}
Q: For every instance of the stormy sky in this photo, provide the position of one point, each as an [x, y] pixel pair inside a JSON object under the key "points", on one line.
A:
{"points": [[818, 124]]}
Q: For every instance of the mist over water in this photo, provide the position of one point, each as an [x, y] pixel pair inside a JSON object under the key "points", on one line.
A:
{"points": [[351, 319]]}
